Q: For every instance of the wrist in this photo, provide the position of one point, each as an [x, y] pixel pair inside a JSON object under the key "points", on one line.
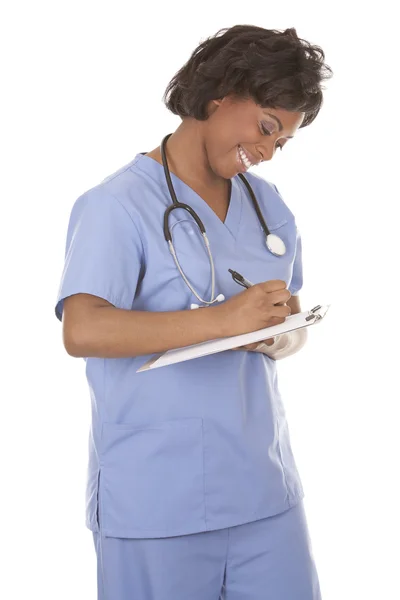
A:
{"points": [[220, 321]]}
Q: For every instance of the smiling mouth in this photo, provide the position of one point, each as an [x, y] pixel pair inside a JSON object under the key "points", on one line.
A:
{"points": [[244, 159]]}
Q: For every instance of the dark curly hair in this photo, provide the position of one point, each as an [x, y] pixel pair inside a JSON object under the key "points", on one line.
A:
{"points": [[276, 69]]}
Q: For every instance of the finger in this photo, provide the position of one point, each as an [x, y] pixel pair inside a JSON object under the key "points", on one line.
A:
{"points": [[260, 347], [252, 346], [273, 285], [247, 347]]}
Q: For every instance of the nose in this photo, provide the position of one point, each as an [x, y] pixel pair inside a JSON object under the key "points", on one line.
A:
{"points": [[266, 150]]}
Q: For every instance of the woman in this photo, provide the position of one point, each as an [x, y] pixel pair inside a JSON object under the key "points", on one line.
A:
{"points": [[193, 492]]}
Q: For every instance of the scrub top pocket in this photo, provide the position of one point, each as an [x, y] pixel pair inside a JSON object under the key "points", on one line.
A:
{"points": [[152, 478]]}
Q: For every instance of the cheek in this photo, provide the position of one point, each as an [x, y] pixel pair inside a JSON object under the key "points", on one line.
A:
{"points": [[227, 129], [221, 149], [226, 132], [224, 139], [224, 144]]}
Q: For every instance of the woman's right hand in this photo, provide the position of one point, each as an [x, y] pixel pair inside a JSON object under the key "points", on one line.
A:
{"points": [[260, 306]]}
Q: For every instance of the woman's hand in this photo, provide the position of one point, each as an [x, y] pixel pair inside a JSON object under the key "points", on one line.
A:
{"points": [[258, 307], [256, 346]]}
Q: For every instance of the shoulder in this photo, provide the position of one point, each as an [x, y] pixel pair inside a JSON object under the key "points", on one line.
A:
{"points": [[270, 200], [118, 192]]}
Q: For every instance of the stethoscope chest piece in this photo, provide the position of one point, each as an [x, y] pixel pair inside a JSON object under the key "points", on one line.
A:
{"points": [[275, 244]]}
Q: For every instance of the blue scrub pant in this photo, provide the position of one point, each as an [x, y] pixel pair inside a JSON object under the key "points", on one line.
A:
{"points": [[268, 559]]}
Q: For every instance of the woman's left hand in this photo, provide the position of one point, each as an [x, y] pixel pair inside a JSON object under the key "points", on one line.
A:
{"points": [[253, 347]]}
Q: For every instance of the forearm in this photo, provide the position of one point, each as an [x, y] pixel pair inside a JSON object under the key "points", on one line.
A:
{"points": [[109, 332], [286, 344]]}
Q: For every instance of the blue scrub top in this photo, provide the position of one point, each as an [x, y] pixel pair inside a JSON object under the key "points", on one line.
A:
{"points": [[199, 445]]}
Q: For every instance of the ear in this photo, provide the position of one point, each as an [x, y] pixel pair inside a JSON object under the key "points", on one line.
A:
{"points": [[213, 105]]}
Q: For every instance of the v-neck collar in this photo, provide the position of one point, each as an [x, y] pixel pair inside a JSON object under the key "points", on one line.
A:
{"points": [[187, 195]]}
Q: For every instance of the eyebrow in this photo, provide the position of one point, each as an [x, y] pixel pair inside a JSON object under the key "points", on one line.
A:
{"points": [[279, 123]]}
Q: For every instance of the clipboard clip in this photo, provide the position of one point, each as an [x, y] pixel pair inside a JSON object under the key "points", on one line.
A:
{"points": [[312, 314]]}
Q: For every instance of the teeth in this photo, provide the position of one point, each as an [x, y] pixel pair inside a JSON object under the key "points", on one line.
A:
{"points": [[244, 158]]}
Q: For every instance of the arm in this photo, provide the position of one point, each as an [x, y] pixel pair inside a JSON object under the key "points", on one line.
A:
{"points": [[94, 327]]}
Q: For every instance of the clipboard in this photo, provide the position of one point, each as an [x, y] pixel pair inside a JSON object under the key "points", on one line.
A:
{"points": [[292, 322]]}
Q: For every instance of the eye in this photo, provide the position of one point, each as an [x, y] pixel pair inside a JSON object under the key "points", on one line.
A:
{"points": [[266, 131]]}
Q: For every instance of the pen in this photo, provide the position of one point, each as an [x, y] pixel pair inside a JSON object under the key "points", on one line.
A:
{"points": [[238, 278]]}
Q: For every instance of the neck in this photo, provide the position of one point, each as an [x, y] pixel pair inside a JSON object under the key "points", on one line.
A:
{"points": [[187, 156]]}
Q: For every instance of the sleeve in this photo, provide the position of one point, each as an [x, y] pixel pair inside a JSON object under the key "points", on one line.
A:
{"points": [[104, 252], [297, 276]]}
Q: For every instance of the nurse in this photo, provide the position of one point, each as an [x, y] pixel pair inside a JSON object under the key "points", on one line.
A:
{"points": [[192, 489]]}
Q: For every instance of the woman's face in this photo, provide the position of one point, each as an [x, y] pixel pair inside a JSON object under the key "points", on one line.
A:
{"points": [[240, 133]]}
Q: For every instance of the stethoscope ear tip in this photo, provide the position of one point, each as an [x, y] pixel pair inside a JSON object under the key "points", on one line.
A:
{"points": [[219, 298]]}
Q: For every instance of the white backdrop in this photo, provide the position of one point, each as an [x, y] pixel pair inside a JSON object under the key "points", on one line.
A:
{"points": [[82, 92]]}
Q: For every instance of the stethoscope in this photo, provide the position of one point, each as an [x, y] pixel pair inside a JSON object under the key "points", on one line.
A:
{"points": [[273, 242]]}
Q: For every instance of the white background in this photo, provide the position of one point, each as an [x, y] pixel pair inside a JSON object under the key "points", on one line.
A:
{"points": [[82, 92]]}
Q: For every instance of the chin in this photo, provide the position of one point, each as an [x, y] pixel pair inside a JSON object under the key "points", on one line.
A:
{"points": [[224, 171]]}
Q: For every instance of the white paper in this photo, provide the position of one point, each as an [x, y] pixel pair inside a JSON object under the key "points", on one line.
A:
{"points": [[291, 323]]}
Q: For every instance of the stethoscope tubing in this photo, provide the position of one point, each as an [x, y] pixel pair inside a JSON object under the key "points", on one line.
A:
{"points": [[176, 204]]}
